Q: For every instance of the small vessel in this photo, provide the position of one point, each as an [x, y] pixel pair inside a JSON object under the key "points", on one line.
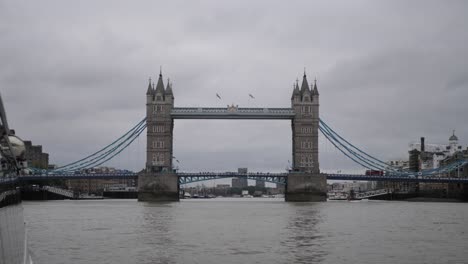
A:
{"points": [[13, 238], [338, 196]]}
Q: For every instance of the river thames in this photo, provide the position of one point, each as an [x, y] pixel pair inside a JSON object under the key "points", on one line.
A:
{"points": [[255, 230]]}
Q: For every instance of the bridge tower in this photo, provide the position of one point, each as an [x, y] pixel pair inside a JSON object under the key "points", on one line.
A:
{"points": [[159, 182], [304, 181], [159, 103]]}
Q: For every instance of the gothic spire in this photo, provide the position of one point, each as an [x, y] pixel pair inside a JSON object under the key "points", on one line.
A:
{"points": [[294, 91], [160, 84], [305, 84], [169, 87], [315, 90], [150, 89]]}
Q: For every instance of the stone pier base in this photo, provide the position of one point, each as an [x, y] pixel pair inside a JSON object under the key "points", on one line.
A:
{"points": [[158, 187], [306, 187]]}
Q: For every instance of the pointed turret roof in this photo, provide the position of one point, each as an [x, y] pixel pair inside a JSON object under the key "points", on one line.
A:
{"points": [[315, 90], [169, 88], [150, 89], [295, 89], [305, 84], [160, 84]]}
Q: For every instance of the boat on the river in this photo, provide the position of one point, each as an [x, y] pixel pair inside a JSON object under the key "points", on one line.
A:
{"points": [[13, 237]]}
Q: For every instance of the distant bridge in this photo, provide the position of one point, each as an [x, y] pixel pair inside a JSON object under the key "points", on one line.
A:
{"points": [[279, 178]]}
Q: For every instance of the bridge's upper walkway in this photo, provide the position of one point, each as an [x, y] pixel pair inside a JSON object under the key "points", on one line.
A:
{"points": [[231, 112]]}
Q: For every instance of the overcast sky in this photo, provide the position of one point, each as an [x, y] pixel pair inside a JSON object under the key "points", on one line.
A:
{"points": [[73, 74]]}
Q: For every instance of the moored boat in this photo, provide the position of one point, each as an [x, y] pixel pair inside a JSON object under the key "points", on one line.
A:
{"points": [[13, 238]]}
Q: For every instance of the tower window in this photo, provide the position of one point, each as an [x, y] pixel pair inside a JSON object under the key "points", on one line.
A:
{"points": [[306, 161], [306, 145], [158, 159], [306, 109], [158, 144], [158, 98], [158, 129]]}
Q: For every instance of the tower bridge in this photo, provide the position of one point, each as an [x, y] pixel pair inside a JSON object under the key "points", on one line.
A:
{"points": [[159, 182], [304, 182]]}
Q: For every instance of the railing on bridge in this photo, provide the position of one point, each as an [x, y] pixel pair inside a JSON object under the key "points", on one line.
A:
{"points": [[187, 177], [72, 176], [231, 113]]}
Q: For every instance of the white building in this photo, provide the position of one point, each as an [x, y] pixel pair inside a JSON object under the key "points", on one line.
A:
{"points": [[436, 152]]}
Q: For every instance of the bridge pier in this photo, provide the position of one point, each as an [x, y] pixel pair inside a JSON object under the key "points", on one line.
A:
{"points": [[306, 187], [158, 187]]}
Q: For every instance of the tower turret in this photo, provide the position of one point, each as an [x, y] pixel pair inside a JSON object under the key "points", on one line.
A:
{"points": [[159, 127], [296, 94], [149, 92], [315, 89], [150, 89], [159, 92], [305, 129], [168, 95], [315, 93], [305, 91]]}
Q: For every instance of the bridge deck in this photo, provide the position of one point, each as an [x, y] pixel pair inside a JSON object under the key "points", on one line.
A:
{"points": [[185, 177], [231, 113]]}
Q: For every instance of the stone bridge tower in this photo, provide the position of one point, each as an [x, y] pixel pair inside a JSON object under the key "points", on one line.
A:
{"points": [[158, 182], [304, 181], [305, 102], [159, 103]]}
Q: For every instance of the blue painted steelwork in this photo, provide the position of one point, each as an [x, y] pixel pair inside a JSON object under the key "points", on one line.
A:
{"points": [[367, 161], [280, 178], [101, 156], [395, 178], [71, 176]]}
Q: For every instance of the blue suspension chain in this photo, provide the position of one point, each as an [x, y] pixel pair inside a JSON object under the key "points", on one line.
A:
{"points": [[103, 149], [94, 161]]}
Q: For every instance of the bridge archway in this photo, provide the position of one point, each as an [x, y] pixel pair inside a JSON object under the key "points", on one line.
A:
{"points": [[306, 183]]}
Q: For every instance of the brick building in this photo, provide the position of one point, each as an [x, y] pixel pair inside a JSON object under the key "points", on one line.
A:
{"points": [[35, 157]]}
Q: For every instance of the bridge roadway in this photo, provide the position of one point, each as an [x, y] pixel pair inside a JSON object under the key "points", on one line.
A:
{"points": [[231, 112], [280, 178]]}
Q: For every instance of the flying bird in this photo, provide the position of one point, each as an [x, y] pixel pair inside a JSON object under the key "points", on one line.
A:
{"points": [[251, 96], [177, 161], [217, 95]]}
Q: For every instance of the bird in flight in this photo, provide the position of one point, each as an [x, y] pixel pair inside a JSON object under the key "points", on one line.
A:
{"points": [[217, 95], [251, 96]]}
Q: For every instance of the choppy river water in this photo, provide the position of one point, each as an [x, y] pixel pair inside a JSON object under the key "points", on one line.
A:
{"points": [[228, 230]]}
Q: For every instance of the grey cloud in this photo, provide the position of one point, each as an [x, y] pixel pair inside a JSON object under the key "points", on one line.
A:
{"points": [[74, 74]]}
